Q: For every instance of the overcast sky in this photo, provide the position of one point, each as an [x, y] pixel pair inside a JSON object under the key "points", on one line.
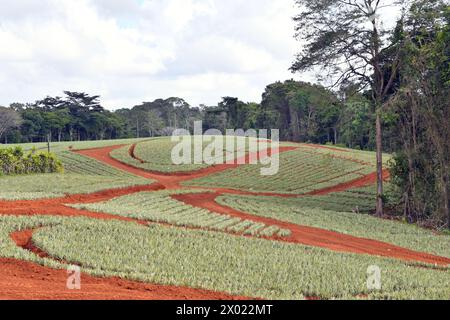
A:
{"points": [[129, 51]]}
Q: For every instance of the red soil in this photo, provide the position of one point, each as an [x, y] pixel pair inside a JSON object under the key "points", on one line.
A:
{"points": [[56, 207], [314, 236], [23, 239], [133, 155], [22, 280], [168, 180], [364, 181], [324, 147]]}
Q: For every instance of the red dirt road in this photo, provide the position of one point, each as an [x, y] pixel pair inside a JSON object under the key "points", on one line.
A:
{"points": [[18, 277], [28, 281], [23, 280], [365, 181], [169, 180], [314, 236]]}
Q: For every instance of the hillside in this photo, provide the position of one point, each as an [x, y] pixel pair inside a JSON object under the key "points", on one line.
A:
{"points": [[306, 232]]}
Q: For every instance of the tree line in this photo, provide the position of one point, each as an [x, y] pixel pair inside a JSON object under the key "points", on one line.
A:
{"points": [[302, 111]]}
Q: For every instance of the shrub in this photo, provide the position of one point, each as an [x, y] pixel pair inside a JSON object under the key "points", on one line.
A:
{"points": [[14, 161]]}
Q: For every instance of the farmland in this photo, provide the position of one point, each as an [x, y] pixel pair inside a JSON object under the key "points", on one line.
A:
{"points": [[155, 154], [160, 207], [173, 256], [336, 212], [81, 175], [303, 170], [212, 231]]}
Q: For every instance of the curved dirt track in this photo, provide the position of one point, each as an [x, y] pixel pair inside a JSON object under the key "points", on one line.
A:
{"points": [[22, 280], [51, 284], [315, 236], [173, 181], [168, 180], [300, 234], [25, 280], [357, 183]]}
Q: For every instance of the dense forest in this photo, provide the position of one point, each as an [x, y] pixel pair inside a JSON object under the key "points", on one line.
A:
{"points": [[391, 95], [303, 112]]}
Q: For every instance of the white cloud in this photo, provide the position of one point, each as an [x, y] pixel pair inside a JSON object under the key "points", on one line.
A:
{"points": [[129, 51]]}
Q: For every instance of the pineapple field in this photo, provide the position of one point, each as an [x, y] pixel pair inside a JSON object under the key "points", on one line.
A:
{"points": [[123, 213]]}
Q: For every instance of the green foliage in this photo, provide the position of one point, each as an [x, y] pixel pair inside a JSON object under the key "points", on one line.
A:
{"points": [[57, 185], [13, 161], [234, 264], [160, 207], [156, 154], [301, 171], [421, 167], [334, 212]]}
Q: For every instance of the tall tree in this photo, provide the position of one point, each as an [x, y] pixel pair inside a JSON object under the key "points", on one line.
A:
{"points": [[422, 163], [345, 38]]}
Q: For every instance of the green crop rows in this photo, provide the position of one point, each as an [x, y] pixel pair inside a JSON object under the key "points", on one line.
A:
{"points": [[82, 175], [301, 171], [57, 185], [160, 207], [78, 164], [156, 154], [316, 212], [237, 265]]}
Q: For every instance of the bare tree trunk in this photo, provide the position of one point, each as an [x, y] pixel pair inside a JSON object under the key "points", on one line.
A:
{"points": [[379, 166]]}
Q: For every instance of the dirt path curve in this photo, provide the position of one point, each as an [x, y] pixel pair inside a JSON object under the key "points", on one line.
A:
{"points": [[22, 280], [315, 236], [300, 234], [172, 182], [169, 180]]}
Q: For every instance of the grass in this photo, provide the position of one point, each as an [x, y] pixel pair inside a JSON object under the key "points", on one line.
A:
{"points": [[317, 212], [234, 264], [160, 207], [301, 171]]}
